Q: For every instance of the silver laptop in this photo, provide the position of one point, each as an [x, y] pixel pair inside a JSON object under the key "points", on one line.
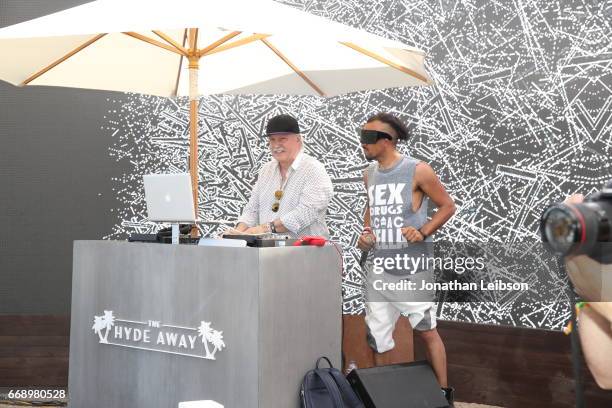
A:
{"points": [[169, 197]]}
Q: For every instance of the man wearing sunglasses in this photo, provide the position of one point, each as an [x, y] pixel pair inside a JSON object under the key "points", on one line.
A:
{"points": [[292, 191], [399, 189]]}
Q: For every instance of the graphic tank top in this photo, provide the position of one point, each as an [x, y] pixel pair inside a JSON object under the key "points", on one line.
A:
{"points": [[390, 201]]}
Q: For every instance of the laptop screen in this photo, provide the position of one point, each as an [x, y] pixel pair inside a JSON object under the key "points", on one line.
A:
{"points": [[169, 197]]}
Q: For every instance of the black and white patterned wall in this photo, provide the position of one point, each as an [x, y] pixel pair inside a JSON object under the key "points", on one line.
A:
{"points": [[519, 117]]}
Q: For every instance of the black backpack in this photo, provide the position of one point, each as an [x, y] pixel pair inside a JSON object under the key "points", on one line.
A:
{"points": [[327, 388]]}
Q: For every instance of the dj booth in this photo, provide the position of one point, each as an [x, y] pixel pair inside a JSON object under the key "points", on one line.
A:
{"points": [[154, 325]]}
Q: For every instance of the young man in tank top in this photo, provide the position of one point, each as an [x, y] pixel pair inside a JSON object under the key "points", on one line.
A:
{"points": [[399, 188]]}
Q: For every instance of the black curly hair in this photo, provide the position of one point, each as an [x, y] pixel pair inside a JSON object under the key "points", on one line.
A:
{"points": [[400, 129]]}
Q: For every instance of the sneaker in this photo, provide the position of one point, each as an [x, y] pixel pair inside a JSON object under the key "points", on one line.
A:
{"points": [[449, 394]]}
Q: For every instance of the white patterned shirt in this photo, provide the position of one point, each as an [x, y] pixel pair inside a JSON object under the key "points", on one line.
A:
{"points": [[306, 195]]}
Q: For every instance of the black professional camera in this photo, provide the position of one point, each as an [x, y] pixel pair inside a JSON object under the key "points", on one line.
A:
{"points": [[581, 229]]}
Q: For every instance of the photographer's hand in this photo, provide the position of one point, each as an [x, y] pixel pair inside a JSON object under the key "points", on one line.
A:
{"points": [[574, 199], [585, 274]]}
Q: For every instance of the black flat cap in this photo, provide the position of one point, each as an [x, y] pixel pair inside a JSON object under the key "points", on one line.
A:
{"points": [[282, 124]]}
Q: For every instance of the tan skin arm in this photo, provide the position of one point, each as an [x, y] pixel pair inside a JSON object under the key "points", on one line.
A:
{"points": [[596, 339], [427, 183], [367, 239], [605, 310], [366, 216]]}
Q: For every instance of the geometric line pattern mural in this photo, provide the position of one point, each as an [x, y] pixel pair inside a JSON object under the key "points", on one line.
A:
{"points": [[519, 117]]}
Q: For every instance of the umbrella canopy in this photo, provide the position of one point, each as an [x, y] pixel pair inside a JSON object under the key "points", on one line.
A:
{"points": [[233, 46]]}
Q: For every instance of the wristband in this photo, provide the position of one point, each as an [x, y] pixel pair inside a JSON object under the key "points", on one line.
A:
{"points": [[579, 306], [423, 234]]}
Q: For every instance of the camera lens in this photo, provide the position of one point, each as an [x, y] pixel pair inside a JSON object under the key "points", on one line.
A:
{"points": [[581, 228], [577, 229], [561, 229]]}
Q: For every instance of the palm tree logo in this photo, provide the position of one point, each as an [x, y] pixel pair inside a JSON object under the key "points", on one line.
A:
{"points": [[214, 337], [104, 322], [216, 340]]}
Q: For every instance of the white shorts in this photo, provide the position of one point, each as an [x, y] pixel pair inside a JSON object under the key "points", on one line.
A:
{"points": [[381, 318], [384, 306]]}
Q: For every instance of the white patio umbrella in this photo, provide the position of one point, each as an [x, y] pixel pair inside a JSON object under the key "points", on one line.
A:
{"points": [[235, 46]]}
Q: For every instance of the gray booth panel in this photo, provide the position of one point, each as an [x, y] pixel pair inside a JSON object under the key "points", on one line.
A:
{"points": [[275, 310]]}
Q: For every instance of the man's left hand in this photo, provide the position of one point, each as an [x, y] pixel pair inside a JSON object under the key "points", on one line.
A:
{"points": [[258, 229], [412, 234]]}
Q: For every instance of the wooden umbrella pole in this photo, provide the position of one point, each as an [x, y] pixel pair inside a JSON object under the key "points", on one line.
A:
{"points": [[194, 65], [193, 131], [194, 54]]}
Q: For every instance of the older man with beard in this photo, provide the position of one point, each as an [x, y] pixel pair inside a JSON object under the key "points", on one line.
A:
{"points": [[292, 191]]}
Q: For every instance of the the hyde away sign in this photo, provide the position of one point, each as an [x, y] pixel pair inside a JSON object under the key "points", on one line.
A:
{"points": [[153, 335]]}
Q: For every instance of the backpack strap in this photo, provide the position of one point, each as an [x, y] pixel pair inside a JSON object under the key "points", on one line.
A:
{"points": [[326, 359], [346, 390], [331, 386]]}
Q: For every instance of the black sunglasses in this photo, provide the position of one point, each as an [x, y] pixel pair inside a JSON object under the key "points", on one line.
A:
{"points": [[372, 136]]}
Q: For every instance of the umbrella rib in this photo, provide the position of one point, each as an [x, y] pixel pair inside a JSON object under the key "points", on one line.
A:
{"points": [[152, 42], [386, 61], [170, 41], [62, 59], [217, 43], [237, 43], [193, 39], [293, 67]]}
